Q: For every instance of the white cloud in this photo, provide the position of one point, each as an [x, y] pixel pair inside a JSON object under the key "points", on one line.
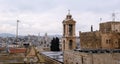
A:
{"points": [[47, 16], [7, 28]]}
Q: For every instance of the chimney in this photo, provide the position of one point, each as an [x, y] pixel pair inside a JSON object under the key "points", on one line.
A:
{"points": [[91, 28]]}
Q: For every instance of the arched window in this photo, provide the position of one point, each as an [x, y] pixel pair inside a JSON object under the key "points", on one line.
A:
{"points": [[63, 30], [70, 44], [64, 44], [70, 29], [66, 62]]}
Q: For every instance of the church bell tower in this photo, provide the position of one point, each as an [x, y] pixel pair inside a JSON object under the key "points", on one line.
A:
{"points": [[69, 37]]}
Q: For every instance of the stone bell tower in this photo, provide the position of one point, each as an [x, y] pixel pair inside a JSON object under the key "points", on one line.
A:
{"points": [[69, 37]]}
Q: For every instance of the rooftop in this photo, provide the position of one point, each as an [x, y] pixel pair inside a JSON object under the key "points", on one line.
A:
{"points": [[17, 50], [54, 55], [99, 50], [111, 22]]}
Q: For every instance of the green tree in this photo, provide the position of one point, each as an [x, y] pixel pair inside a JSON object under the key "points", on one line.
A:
{"points": [[55, 44]]}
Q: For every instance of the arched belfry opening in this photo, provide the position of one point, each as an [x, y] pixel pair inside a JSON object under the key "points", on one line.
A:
{"points": [[70, 29], [70, 44], [64, 44]]}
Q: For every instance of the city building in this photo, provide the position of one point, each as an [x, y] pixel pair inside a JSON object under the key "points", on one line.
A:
{"points": [[69, 37], [45, 42], [16, 50], [108, 37]]}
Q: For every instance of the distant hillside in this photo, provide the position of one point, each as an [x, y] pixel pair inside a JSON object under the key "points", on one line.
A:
{"points": [[55, 35], [7, 35], [13, 35]]}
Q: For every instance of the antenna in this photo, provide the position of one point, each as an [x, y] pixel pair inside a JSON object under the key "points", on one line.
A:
{"points": [[100, 20], [113, 16], [38, 36]]}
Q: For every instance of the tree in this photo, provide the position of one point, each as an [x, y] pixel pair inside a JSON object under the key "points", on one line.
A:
{"points": [[55, 44], [52, 44]]}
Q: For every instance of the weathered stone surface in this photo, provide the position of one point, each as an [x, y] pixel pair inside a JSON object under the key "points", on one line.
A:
{"points": [[108, 37]]}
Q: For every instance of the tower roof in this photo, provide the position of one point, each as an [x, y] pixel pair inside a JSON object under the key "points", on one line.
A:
{"points": [[69, 19], [68, 16]]}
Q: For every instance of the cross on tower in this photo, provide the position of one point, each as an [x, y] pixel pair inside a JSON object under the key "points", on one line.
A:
{"points": [[113, 16], [68, 11]]}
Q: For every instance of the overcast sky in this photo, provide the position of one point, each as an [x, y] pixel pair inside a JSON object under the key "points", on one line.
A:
{"points": [[46, 16]]}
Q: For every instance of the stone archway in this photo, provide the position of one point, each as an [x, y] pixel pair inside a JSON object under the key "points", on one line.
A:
{"points": [[70, 44]]}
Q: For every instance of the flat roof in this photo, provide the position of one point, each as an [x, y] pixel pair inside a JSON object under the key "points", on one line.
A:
{"points": [[54, 55], [98, 50], [110, 22]]}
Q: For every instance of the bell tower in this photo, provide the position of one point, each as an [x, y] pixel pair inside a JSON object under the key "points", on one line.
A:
{"points": [[69, 37]]}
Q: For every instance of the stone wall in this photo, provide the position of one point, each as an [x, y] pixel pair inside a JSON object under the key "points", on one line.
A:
{"points": [[76, 57], [110, 41], [110, 27], [91, 40], [97, 40], [72, 57], [106, 58], [108, 37]]}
